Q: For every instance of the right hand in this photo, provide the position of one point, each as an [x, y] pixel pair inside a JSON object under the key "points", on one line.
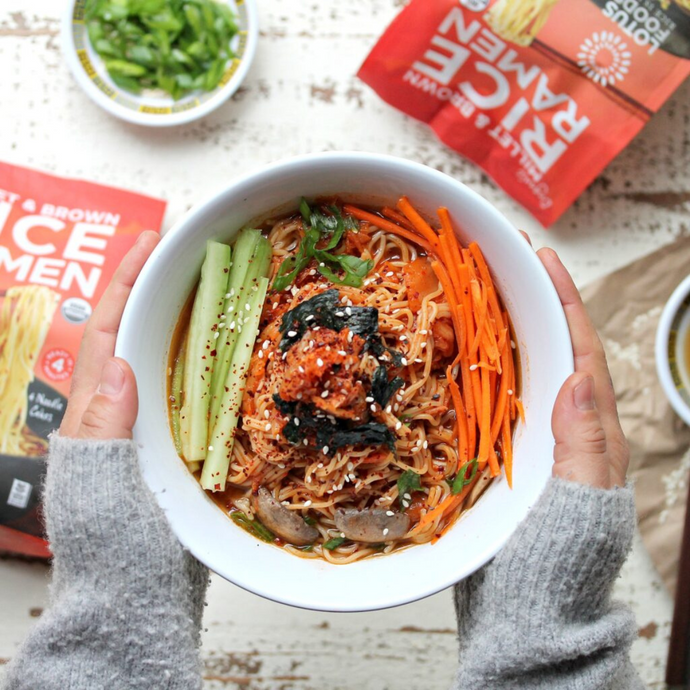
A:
{"points": [[590, 445]]}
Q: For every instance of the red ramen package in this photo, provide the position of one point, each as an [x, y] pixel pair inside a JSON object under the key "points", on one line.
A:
{"points": [[60, 243], [541, 94]]}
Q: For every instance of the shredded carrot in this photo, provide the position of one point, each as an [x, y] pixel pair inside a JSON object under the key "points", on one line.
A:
{"points": [[445, 281], [479, 297], [421, 226], [506, 444], [469, 402], [486, 277], [485, 422], [493, 462], [461, 419], [520, 408], [384, 224], [447, 505], [502, 397], [397, 217]]}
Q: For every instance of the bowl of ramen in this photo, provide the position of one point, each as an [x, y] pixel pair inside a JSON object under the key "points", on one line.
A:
{"points": [[346, 375], [672, 350]]}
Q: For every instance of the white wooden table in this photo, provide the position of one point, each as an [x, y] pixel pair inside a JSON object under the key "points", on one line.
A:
{"points": [[301, 96]]}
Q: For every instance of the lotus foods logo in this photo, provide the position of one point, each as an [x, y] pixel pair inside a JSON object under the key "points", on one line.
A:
{"points": [[604, 58]]}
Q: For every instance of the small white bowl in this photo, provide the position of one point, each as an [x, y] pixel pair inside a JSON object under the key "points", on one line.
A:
{"points": [[546, 361], [671, 334], [154, 110]]}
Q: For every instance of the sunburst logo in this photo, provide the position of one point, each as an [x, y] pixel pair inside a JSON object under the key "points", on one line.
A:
{"points": [[604, 57]]}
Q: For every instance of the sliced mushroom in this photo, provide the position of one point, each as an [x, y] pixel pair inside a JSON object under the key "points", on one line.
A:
{"points": [[287, 524], [371, 526]]}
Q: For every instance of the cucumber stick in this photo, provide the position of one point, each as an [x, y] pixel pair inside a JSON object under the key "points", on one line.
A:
{"points": [[215, 470], [176, 393], [198, 369], [251, 259]]}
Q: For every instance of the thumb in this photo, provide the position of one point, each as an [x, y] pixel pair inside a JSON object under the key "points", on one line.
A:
{"points": [[114, 406], [580, 453]]}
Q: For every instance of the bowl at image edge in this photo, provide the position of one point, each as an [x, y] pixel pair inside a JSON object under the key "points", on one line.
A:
{"points": [[89, 70], [545, 360], [669, 350]]}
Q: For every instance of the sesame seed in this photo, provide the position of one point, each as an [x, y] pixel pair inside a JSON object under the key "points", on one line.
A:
{"points": [[268, 426], [247, 306], [385, 531], [403, 361], [403, 337], [324, 394], [398, 426], [407, 497], [325, 450], [342, 353], [300, 368], [510, 391], [307, 503], [348, 311], [232, 325], [423, 344], [389, 274], [372, 408], [512, 344], [292, 334], [280, 464], [275, 305], [369, 399], [340, 313], [389, 409], [342, 534], [425, 445], [390, 513], [306, 443], [210, 447], [350, 336], [296, 421], [266, 344], [474, 367], [423, 331], [309, 318], [267, 414], [319, 362], [261, 354]]}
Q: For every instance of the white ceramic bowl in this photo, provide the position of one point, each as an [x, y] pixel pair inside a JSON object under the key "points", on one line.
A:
{"points": [[669, 350], [546, 361], [154, 110]]}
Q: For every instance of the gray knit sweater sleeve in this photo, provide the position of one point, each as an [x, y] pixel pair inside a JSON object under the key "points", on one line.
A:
{"points": [[126, 598], [540, 615]]}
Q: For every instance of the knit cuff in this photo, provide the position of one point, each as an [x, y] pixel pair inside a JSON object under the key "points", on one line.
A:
{"points": [[98, 509], [570, 547]]}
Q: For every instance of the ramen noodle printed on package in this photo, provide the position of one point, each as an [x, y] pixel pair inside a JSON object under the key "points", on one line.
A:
{"points": [[541, 94], [61, 240]]}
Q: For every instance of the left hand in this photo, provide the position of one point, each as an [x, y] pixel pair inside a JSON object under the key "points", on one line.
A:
{"points": [[103, 402]]}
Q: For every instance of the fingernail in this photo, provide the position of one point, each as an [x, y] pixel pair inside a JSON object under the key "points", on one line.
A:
{"points": [[583, 395], [112, 378]]}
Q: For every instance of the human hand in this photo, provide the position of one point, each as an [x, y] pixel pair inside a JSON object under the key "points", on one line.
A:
{"points": [[590, 445], [103, 401]]}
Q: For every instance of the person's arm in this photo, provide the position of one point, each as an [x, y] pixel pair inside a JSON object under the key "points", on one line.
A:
{"points": [[126, 599], [540, 614]]}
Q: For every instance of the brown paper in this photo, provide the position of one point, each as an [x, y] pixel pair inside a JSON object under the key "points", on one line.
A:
{"points": [[626, 307]]}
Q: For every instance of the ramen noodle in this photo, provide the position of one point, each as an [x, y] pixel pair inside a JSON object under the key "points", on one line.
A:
{"points": [[541, 94], [379, 403], [60, 243]]}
